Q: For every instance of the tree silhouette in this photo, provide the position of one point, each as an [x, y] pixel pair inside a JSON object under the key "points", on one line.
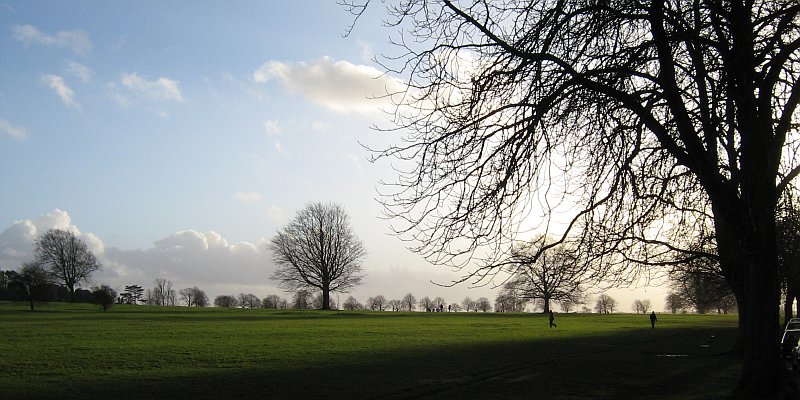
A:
{"points": [[66, 258], [318, 250], [647, 122]]}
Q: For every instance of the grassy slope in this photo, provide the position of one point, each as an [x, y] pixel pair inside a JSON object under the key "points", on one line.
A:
{"points": [[75, 351]]}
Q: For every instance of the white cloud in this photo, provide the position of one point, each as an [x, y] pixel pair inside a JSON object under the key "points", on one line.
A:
{"points": [[248, 197], [272, 127], [337, 85], [76, 40], [14, 131], [279, 148], [16, 241], [161, 89], [80, 71], [187, 258], [58, 85]]}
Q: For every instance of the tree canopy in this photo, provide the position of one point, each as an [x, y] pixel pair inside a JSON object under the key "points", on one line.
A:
{"points": [[647, 123], [66, 258], [318, 250]]}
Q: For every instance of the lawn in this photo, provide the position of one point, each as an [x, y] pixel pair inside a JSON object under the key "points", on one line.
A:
{"points": [[134, 352]]}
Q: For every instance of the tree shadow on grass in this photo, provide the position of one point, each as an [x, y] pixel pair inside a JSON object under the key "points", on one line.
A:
{"points": [[636, 363]]}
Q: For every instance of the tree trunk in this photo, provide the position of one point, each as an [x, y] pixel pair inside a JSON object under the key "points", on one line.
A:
{"points": [[71, 293], [326, 296], [748, 256], [762, 370]]}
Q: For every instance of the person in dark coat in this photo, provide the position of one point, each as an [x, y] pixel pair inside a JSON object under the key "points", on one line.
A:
{"points": [[552, 318], [653, 320]]}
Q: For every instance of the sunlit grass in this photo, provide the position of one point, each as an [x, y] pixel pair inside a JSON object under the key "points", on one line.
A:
{"points": [[75, 351]]}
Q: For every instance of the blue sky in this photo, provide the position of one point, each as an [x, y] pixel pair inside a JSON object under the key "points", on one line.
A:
{"points": [[177, 137]]}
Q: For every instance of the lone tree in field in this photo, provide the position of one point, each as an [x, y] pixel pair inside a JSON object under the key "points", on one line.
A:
{"points": [[66, 258], [33, 280], [318, 251], [104, 296], [644, 120], [553, 275]]}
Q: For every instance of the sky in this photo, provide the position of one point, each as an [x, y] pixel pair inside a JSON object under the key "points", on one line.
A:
{"points": [[176, 138]]}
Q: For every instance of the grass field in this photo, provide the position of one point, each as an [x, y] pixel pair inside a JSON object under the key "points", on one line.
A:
{"points": [[138, 352]]}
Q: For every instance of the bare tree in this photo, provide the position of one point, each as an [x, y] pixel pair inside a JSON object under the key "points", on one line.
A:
{"points": [[351, 304], [547, 275], [674, 302], [225, 301], [426, 304], [701, 283], [641, 306], [66, 258], [509, 299], [376, 303], [248, 300], [409, 302], [468, 304], [649, 115], [605, 304], [302, 299], [318, 250], [162, 293], [271, 301], [438, 303], [194, 297], [482, 304], [396, 304], [34, 280]]}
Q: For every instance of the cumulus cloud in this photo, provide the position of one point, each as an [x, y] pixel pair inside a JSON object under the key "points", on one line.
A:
{"points": [[79, 71], [13, 131], [58, 85], [190, 258], [161, 89], [187, 258], [76, 40], [337, 85], [16, 241]]}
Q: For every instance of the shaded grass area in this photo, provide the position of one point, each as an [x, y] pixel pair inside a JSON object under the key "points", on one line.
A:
{"points": [[75, 351]]}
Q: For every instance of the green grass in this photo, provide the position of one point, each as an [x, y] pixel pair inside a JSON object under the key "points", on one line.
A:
{"points": [[134, 352]]}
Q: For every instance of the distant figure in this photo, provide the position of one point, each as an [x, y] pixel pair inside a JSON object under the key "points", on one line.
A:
{"points": [[449, 308], [552, 318], [653, 320]]}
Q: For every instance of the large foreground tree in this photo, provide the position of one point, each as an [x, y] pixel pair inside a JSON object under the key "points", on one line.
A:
{"points": [[318, 250], [646, 122], [66, 258]]}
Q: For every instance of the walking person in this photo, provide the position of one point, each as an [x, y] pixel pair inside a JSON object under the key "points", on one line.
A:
{"points": [[552, 318], [653, 320]]}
